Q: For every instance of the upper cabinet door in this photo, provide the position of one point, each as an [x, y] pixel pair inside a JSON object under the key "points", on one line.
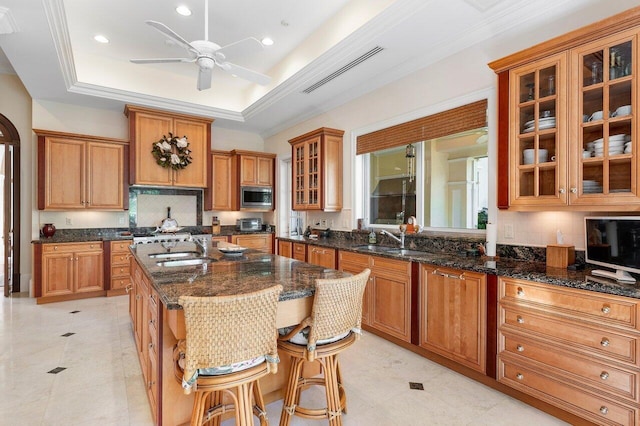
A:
{"points": [[538, 133], [604, 165], [149, 129], [199, 136], [105, 176], [64, 174]]}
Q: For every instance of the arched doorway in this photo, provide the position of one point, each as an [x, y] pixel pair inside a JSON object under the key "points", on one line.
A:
{"points": [[10, 210]]}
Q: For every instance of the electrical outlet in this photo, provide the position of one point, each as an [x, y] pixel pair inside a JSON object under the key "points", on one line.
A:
{"points": [[508, 231], [121, 219], [67, 220], [323, 223], [331, 223]]}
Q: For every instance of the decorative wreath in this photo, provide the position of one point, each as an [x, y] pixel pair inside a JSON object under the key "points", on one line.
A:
{"points": [[172, 152]]}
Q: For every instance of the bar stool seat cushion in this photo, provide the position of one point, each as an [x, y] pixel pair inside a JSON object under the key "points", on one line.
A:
{"points": [[220, 370], [302, 337]]}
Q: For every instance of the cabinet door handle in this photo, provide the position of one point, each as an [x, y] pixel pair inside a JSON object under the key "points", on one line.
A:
{"points": [[519, 320], [604, 410], [444, 274], [561, 190], [605, 309], [604, 375], [520, 348], [604, 342], [520, 291], [574, 190], [519, 376], [128, 288]]}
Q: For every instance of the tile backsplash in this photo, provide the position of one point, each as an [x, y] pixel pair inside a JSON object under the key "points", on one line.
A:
{"points": [[152, 209]]}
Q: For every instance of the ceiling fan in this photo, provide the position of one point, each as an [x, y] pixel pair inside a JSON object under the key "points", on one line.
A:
{"points": [[207, 54]]}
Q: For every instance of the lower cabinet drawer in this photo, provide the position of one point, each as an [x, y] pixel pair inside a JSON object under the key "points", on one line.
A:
{"points": [[603, 342], [599, 375], [120, 271], [117, 283], [563, 395]]}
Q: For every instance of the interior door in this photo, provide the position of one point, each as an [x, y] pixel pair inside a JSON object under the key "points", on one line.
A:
{"points": [[7, 230]]}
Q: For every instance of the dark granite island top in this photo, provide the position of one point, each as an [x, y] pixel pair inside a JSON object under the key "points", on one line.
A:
{"points": [[228, 275]]}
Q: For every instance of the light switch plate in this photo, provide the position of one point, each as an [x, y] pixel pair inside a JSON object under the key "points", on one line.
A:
{"points": [[508, 231]]}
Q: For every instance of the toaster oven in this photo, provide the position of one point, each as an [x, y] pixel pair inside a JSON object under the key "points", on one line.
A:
{"points": [[249, 224]]}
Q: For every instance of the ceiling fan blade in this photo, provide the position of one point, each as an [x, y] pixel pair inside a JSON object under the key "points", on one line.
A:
{"points": [[160, 60], [246, 73], [172, 35], [241, 47], [204, 78]]}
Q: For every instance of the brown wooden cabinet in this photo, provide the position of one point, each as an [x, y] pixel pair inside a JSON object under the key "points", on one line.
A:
{"points": [[254, 168], [69, 271], [322, 256], [317, 170], [221, 193], [300, 252], [81, 172], [575, 349], [285, 249], [144, 308], [262, 242], [567, 122], [453, 314], [148, 126], [119, 267], [387, 299]]}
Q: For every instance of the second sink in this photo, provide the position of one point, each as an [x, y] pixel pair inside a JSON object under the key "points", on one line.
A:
{"points": [[185, 262], [405, 252], [372, 247], [174, 255]]}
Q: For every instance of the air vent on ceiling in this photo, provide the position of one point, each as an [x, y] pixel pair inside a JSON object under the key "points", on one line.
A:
{"points": [[344, 69]]}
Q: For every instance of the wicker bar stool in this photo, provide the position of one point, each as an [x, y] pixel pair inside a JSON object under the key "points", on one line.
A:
{"points": [[333, 326], [231, 343]]}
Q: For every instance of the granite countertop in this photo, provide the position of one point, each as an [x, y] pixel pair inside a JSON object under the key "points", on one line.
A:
{"points": [[505, 267], [116, 234], [227, 275]]}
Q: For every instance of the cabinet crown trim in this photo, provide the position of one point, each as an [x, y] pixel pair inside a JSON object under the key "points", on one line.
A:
{"points": [[608, 26], [136, 109], [317, 132], [77, 136]]}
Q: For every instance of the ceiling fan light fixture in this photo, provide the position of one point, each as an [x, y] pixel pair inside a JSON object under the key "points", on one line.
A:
{"points": [[267, 41], [101, 39], [183, 10]]}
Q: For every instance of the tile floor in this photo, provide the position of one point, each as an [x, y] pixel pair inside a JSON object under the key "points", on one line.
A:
{"points": [[102, 382]]}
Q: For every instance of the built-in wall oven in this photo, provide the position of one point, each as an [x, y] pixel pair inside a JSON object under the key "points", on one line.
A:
{"points": [[256, 198]]}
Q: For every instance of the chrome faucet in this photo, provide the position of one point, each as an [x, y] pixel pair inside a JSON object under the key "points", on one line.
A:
{"points": [[400, 240], [200, 243]]}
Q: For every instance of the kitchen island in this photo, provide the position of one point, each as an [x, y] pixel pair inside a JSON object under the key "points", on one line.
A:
{"points": [[159, 323]]}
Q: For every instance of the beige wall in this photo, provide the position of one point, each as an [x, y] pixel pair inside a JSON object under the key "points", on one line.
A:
{"points": [[15, 104]]}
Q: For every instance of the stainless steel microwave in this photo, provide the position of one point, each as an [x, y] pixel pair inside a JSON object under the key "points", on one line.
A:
{"points": [[256, 198]]}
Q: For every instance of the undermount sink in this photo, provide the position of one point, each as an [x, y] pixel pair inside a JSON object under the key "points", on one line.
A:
{"points": [[406, 252], [372, 247], [176, 254], [185, 262]]}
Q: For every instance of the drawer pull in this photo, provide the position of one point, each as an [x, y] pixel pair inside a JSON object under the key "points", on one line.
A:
{"points": [[604, 342], [519, 376], [604, 375], [128, 288], [520, 320], [443, 274], [150, 346], [520, 348], [520, 291], [604, 410], [605, 309]]}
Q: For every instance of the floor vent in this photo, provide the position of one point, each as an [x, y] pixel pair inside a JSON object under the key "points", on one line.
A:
{"points": [[416, 386], [344, 69], [67, 334], [56, 370], [74, 312]]}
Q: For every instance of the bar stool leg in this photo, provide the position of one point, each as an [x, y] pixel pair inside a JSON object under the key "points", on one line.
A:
{"points": [[334, 410], [199, 407], [259, 408], [292, 395], [343, 398]]}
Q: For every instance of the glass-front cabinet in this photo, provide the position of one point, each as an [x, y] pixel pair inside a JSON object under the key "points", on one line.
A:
{"points": [[573, 128], [604, 168], [306, 174], [538, 133]]}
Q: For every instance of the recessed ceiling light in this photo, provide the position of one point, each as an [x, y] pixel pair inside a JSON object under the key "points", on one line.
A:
{"points": [[101, 39], [267, 41], [183, 10]]}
